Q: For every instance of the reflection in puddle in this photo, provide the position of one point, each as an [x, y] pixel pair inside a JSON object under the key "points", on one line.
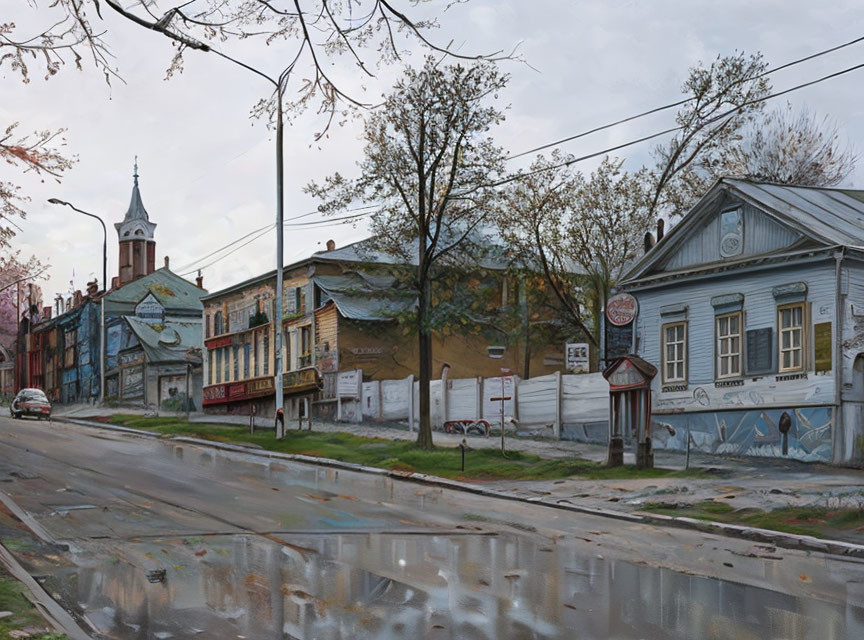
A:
{"points": [[352, 586]]}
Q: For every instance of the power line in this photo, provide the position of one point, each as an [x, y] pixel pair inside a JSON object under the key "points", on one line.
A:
{"points": [[304, 215], [220, 258], [233, 242], [682, 101], [566, 163], [519, 176]]}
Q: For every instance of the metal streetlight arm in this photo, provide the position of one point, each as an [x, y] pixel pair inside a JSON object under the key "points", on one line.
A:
{"points": [[104, 237]]}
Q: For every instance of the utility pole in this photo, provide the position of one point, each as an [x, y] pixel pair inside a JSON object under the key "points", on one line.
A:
{"points": [[277, 312]]}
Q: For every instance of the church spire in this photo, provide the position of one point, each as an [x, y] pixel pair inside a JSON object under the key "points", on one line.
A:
{"points": [[137, 249]]}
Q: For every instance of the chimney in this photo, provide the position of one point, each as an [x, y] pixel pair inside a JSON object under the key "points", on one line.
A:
{"points": [[660, 229], [166, 262], [115, 283], [93, 288], [649, 241], [46, 313], [331, 245], [199, 280], [76, 298]]}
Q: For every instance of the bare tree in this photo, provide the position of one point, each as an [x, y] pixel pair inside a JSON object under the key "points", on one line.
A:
{"points": [[792, 147], [581, 233], [724, 99], [430, 164]]}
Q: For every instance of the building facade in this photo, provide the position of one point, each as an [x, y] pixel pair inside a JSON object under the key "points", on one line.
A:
{"points": [[338, 321], [751, 309], [151, 319]]}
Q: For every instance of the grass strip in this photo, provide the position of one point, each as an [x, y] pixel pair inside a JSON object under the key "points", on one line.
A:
{"points": [[399, 455], [819, 522], [24, 614]]}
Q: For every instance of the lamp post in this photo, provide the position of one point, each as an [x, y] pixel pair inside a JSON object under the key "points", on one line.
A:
{"points": [[104, 290]]}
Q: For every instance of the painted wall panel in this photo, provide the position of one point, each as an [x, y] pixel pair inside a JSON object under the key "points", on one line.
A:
{"points": [[761, 235], [760, 310]]}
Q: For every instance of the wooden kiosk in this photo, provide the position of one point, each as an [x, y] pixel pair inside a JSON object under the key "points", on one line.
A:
{"points": [[629, 380]]}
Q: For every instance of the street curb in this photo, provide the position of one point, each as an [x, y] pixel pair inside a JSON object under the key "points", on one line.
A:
{"points": [[777, 538], [49, 608]]}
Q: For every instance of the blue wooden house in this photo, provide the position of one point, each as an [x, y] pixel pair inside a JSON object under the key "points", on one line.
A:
{"points": [[752, 309]]}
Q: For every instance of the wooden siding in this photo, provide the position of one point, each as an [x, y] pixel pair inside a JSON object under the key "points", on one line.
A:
{"points": [[326, 334], [761, 235], [760, 310]]}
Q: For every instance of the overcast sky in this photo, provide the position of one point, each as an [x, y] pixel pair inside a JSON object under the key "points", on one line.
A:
{"points": [[207, 170]]}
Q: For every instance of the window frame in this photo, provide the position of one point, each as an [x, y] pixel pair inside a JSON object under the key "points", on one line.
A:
{"points": [[717, 348], [685, 352], [804, 342]]}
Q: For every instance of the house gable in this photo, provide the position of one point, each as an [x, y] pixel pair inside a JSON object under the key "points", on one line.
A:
{"points": [[731, 230], [738, 221]]}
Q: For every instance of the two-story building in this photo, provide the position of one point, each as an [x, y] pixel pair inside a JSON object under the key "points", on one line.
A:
{"points": [[752, 309], [339, 315]]}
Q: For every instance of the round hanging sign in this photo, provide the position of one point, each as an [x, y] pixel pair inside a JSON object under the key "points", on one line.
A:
{"points": [[621, 309]]}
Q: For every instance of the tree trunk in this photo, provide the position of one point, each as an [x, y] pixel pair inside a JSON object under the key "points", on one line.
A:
{"points": [[424, 342]]}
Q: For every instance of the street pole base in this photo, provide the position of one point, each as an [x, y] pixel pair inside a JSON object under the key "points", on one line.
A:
{"points": [[644, 455], [616, 452]]}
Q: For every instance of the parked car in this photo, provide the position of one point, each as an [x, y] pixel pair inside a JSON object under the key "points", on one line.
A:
{"points": [[31, 402]]}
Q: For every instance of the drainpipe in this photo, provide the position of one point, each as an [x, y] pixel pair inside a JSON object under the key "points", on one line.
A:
{"points": [[838, 362]]}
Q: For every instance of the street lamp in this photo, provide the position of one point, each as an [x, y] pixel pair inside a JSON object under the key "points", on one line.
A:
{"points": [[104, 238], [104, 290]]}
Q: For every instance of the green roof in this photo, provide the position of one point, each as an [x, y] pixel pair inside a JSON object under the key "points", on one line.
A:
{"points": [[176, 294], [167, 341]]}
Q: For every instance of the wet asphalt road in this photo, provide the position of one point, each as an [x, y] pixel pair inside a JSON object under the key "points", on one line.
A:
{"points": [[253, 548]]}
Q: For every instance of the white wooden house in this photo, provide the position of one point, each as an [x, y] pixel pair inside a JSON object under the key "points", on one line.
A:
{"points": [[752, 307]]}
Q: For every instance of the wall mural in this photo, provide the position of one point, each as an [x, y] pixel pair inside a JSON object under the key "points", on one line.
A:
{"points": [[758, 432], [172, 394]]}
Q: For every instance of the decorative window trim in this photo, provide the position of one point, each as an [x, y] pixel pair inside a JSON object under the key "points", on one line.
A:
{"points": [[685, 355], [805, 338], [718, 352]]}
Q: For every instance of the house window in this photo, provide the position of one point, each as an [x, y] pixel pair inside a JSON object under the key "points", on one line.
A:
{"points": [[70, 340], [300, 300], [210, 367], [729, 345], [731, 233], [675, 352], [266, 352], [218, 366], [236, 354], [305, 346], [217, 324], [286, 342], [790, 319], [226, 371], [247, 355]]}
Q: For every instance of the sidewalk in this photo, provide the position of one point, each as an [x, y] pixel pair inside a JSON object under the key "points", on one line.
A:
{"points": [[742, 483]]}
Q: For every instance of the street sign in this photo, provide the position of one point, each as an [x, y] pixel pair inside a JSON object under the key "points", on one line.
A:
{"points": [[577, 357], [621, 309]]}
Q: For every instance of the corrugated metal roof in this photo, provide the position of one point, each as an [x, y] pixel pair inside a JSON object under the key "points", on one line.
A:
{"points": [[363, 296], [168, 341], [831, 217], [834, 216]]}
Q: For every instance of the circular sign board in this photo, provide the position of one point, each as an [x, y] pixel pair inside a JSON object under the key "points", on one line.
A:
{"points": [[621, 309]]}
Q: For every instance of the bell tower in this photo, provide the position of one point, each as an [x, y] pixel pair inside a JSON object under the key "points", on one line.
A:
{"points": [[135, 234]]}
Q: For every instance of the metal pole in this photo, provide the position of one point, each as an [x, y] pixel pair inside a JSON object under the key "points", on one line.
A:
{"points": [[186, 401], [277, 312], [502, 413]]}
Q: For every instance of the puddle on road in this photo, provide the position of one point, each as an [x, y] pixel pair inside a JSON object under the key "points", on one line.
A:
{"points": [[352, 586]]}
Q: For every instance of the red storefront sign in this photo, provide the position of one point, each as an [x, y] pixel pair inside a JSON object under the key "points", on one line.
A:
{"points": [[214, 394], [215, 343]]}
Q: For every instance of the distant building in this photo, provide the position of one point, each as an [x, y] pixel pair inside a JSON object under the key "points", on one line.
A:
{"points": [[339, 330], [152, 330], [752, 309]]}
